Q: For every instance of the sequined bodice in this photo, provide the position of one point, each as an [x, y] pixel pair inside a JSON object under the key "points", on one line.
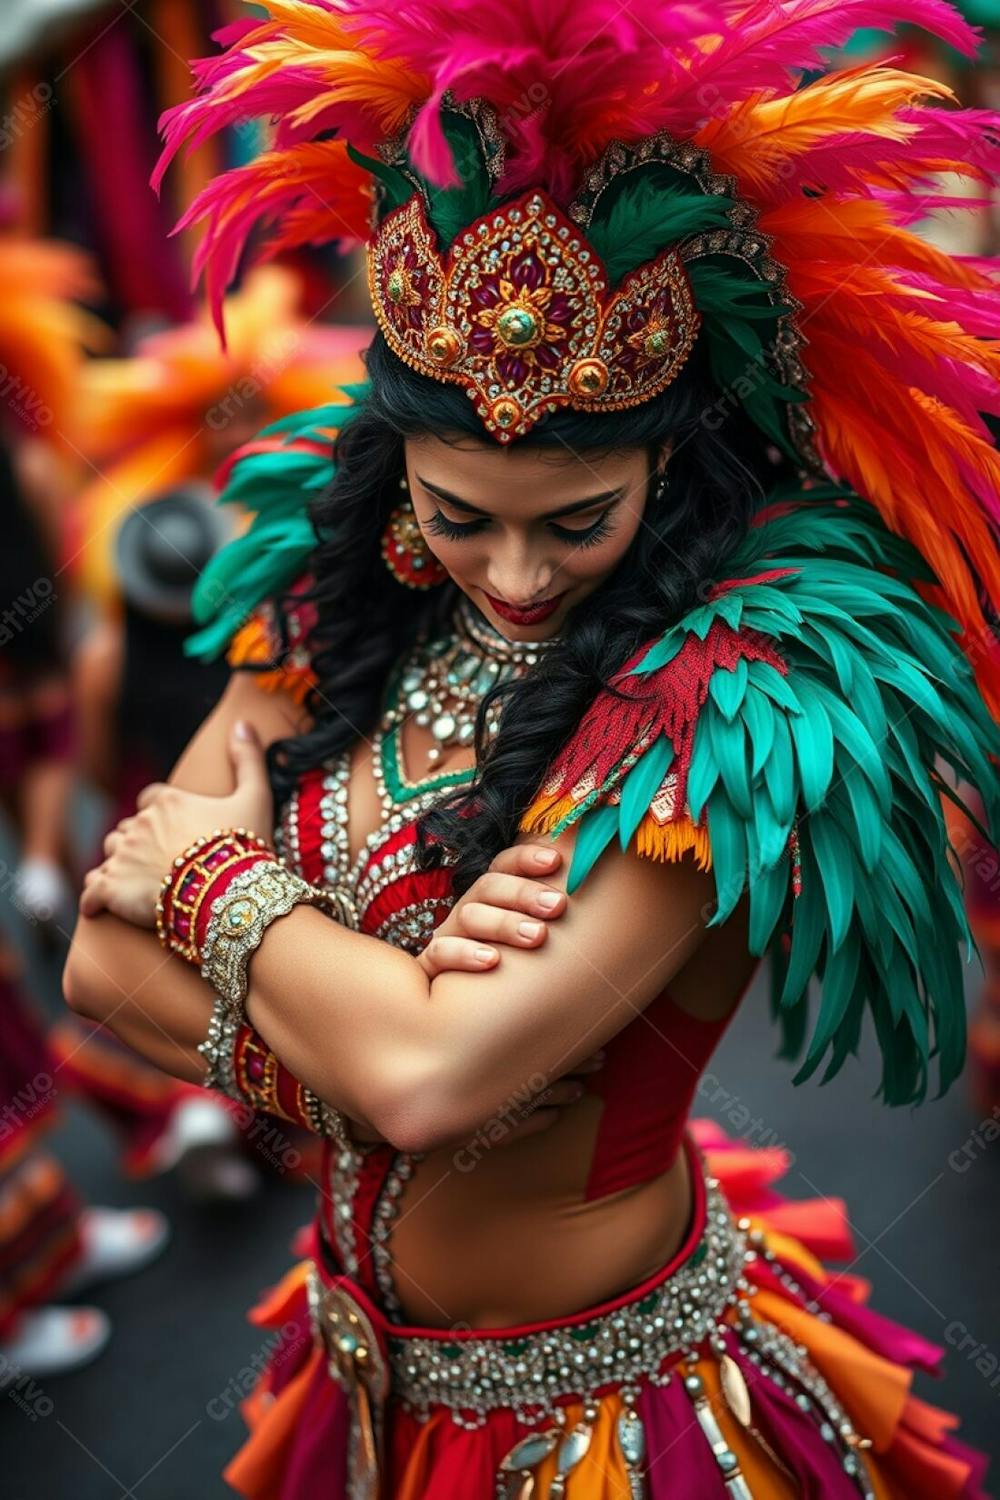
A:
{"points": [[388, 898], [652, 1066]]}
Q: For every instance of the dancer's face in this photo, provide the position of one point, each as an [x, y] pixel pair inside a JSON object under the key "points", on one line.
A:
{"points": [[526, 533]]}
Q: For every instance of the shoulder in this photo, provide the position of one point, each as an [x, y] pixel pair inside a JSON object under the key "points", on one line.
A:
{"points": [[791, 729], [274, 643]]}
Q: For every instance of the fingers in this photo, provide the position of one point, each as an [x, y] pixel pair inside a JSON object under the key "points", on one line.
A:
{"points": [[532, 1124], [544, 1110], [456, 954], [93, 895], [492, 924], [148, 793], [517, 893], [590, 1064], [533, 860], [564, 1091], [247, 755]]}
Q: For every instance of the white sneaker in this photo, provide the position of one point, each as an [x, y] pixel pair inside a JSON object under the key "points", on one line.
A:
{"points": [[116, 1242], [41, 889], [201, 1140], [53, 1341]]}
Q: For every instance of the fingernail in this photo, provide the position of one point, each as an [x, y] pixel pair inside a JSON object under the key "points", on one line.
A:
{"points": [[529, 929], [241, 729], [544, 856], [548, 899], [600, 1055], [577, 1091], [486, 955]]}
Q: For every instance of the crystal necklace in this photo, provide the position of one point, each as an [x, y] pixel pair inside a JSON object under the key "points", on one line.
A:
{"points": [[442, 683]]}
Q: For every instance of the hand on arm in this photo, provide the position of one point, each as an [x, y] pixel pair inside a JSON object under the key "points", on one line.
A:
{"points": [[119, 974], [360, 1021]]}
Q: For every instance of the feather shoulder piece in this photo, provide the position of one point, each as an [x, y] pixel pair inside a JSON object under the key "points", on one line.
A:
{"points": [[246, 599], [797, 732]]}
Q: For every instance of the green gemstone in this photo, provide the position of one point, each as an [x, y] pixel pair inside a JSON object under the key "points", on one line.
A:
{"points": [[657, 342], [396, 285], [516, 325]]}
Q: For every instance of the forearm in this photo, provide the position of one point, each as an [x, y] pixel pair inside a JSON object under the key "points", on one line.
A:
{"points": [[349, 1015], [150, 999]]}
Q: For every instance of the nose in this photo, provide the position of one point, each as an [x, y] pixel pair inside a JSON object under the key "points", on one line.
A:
{"points": [[518, 570]]}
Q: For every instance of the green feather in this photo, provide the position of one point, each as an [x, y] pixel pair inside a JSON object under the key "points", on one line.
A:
{"points": [[728, 689], [645, 218], [641, 785], [596, 830], [727, 832]]}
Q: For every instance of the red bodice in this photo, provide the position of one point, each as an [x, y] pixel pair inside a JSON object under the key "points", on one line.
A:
{"points": [[653, 1065]]}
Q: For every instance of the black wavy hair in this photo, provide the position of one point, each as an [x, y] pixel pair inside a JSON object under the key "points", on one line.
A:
{"points": [[719, 470]]}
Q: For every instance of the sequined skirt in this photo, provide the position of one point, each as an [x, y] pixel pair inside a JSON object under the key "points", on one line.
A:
{"points": [[739, 1369]]}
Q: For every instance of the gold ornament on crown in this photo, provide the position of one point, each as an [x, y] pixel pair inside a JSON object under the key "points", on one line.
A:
{"points": [[520, 312]]}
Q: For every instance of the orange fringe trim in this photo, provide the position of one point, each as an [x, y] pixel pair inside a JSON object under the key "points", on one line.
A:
{"points": [[664, 841], [252, 645]]}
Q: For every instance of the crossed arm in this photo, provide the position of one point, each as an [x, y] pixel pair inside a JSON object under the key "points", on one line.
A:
{"points": [[421, 1057]]}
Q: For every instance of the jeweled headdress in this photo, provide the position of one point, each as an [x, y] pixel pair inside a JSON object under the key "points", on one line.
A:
{"points": [[558, 199]]}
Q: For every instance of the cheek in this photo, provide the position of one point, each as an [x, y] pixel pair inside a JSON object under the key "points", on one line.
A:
{"points": [[462, 559]]}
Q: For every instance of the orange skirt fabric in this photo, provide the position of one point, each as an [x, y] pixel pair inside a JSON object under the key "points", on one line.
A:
{"points": [[740, 1414]]}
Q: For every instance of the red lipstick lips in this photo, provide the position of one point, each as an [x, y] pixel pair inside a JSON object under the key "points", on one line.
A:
{"points": [[528, 615]]}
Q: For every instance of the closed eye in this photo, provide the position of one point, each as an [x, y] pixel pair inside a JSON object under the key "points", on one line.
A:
{"points": [[579, 536]]}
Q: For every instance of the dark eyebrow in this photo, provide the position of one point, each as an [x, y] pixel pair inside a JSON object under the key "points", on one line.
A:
{"points": [[564, 510]]}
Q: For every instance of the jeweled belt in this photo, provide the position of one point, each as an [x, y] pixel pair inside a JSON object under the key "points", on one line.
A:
{"points": [[704, 1301]]}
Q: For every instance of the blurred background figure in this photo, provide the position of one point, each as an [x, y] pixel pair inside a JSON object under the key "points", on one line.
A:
{"points": [[157, 425], [137, 699], [51, 1245]]}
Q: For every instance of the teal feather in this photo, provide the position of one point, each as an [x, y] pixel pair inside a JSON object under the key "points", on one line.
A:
{"points": [[779, 777], [759, 718], [728, 689], [641, 785], [702, 775], [770, 681], [727, 832], [729, 744], [812, 736], [835, 868], [595, 833], [266, 559], [877, 694]]}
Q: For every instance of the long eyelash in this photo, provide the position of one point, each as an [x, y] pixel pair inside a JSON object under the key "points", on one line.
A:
{"points": [[600, 530], [440, 525]]}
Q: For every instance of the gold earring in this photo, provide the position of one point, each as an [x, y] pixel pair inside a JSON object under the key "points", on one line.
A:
{"points": [[405, 551]]}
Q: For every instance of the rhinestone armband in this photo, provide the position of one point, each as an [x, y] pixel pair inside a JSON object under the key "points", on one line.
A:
{"points": [[242, 1066], [239, 917]]}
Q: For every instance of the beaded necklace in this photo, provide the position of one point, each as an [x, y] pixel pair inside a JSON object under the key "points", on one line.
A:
{"points": [[442, 683]]}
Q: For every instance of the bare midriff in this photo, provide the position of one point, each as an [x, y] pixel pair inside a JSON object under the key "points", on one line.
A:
{"points": [[503, 1235], [492, 1234]]}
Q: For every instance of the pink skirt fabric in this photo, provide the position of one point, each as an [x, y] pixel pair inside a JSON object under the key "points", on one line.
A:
{"points": [[300, 1417]]}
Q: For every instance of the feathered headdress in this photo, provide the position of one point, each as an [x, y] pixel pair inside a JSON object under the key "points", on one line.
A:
{"points": [[159, 418], [559, 197]]}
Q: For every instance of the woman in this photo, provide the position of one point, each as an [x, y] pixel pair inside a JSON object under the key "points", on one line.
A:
{"points": [[580, 632]]}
